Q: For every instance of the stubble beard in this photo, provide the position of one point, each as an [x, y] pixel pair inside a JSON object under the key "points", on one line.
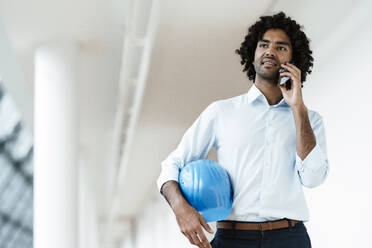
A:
{"points": [[269, 76]]}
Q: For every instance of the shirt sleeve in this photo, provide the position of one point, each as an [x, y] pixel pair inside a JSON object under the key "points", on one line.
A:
{"points": [[314, 169], [195, 144]]}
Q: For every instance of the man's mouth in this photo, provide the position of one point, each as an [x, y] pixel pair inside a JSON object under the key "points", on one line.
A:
{"points": [[269, 62]]}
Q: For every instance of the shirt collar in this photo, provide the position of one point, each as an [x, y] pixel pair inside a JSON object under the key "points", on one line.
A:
{"points": [[254, 93]]}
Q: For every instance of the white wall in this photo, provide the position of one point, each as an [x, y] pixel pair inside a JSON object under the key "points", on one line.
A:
{"points": [[339, 89], [89, 235]]}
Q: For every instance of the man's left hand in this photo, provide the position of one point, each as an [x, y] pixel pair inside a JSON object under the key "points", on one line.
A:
{"points": [[293, 97]]}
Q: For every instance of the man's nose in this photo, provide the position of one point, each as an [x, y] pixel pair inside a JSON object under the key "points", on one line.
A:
{"points": [[270, 52]]}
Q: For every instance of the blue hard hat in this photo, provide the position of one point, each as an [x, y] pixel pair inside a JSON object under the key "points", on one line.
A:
{"points": [[206, 186]]}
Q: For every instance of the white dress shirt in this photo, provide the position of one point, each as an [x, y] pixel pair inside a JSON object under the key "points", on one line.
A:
{"points": [[256, 144]]}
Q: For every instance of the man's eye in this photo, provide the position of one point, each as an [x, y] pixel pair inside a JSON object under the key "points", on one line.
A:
{"points": [[263, 45], [282, 48]]}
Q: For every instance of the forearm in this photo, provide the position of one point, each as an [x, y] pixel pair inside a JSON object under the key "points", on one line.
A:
{"points": [[305, 138], [172, 193], [188, 219]]}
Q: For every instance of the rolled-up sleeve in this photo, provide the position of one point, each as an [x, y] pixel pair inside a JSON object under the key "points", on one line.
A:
{"points": [[314, 169], [195, 144]]}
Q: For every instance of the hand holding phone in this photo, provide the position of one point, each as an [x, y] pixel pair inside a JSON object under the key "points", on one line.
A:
{"points": [[285, 79]]}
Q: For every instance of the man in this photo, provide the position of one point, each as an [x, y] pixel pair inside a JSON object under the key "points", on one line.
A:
{"points": [[268, 141]]}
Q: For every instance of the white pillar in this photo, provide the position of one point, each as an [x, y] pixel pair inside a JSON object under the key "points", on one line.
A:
{"points": [[55, 184]]}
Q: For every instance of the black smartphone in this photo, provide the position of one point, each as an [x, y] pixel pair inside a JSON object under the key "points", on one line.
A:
{"points": [[285, 80]]}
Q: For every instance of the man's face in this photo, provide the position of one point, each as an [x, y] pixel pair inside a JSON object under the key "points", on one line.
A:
{"points": [[272, 50]]}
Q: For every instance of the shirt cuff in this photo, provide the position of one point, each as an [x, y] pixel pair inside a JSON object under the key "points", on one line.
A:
{"points": [[170, 173], [313, 161]]}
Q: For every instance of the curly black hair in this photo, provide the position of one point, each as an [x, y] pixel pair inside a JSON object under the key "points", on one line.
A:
{"points": [[301, 55]]}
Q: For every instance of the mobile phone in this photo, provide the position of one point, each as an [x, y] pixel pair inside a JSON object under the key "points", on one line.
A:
{"points": [[284, 80]]}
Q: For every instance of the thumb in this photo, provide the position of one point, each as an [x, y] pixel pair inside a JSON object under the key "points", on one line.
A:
{"points": [[205, 225], [282, 88]]}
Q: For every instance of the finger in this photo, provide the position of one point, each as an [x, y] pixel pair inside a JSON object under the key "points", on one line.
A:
{"points": [[189, 238], [192, 239], [290, 69], [293, 67], [296, 80], [203, 239], [205, 225], [288, 74], [195, 240], [283, 88]]}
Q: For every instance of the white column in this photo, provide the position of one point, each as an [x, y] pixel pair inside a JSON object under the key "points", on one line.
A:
{"points": [[55, 184]]}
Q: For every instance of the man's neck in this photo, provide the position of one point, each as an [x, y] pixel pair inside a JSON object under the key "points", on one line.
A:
{"points": [[270, 90]]}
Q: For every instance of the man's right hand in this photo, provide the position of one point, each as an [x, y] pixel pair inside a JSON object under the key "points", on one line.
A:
{"points": [[191, 223], [189, 220]]}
